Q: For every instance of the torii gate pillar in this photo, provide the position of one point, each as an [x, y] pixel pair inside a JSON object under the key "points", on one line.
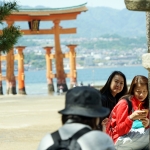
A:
{"points": [[73, 72], [21, 76], [10, 78], [60, 74], [49, 74]]}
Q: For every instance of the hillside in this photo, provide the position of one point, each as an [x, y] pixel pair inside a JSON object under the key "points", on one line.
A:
{"points": [[101, 20]]}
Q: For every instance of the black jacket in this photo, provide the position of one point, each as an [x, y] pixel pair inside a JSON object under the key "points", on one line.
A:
{"points": [[108, 101]]}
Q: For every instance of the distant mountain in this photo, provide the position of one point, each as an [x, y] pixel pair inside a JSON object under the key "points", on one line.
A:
{"points": [[98, 21], [102, 20]]}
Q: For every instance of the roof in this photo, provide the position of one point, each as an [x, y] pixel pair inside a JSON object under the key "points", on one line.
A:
{"points": [[49, 11]]}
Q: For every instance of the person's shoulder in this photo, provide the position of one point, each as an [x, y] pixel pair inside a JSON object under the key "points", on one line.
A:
{"points": [[104, 96], [96, 134], [121, 106], [46, 142], [98, 140], [122, 101]]}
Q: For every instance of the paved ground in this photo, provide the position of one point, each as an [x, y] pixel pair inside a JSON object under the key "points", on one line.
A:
{"points": [[24, 120]]}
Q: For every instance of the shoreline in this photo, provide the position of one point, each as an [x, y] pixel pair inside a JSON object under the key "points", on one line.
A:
{"points": [[113, 66], [82, 67], [36, 84]]}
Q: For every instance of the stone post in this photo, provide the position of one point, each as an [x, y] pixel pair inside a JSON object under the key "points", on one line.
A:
{"points": [[146, 57], [143, 5], [1, 86], [49, 69]]}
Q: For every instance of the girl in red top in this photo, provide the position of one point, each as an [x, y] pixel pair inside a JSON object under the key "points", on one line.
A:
{"points": [[130, 131]]}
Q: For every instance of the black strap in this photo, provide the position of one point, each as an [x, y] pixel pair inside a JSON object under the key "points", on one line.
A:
{"points": [[77, 135], [56, 137], [129, 105]]}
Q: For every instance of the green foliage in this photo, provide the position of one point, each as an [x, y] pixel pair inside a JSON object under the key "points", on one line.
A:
{"points": [[113, 42], [9, 35], [9, 38], [6, 9]]}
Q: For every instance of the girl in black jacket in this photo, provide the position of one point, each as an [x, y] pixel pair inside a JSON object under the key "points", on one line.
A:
{"points": [[112, 91]]}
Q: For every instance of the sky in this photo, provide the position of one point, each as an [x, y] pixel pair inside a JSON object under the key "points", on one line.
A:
{"points": [[116, 4]]}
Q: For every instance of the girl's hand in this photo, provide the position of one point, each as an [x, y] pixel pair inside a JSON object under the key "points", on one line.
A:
{"points": [[145, 122], [138, 114], [104, 122]]}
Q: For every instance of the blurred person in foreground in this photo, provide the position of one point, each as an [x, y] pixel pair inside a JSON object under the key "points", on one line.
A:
{"points": [[80, 118]]}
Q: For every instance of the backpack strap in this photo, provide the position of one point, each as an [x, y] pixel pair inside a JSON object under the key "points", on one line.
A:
{"points": [[129, 105], [56, 137], [76, 136]]}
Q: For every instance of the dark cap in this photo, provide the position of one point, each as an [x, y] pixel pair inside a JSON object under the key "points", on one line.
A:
{"points": [[84, 101]]}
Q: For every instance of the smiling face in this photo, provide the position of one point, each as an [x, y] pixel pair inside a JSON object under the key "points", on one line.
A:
{"points": [[116, 85], [141, 92]]}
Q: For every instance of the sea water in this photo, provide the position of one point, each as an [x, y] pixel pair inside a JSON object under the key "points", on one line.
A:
{"points": [[36, 83]]}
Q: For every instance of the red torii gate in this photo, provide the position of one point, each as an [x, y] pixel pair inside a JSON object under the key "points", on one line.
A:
{"points": [[34, 17]]}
